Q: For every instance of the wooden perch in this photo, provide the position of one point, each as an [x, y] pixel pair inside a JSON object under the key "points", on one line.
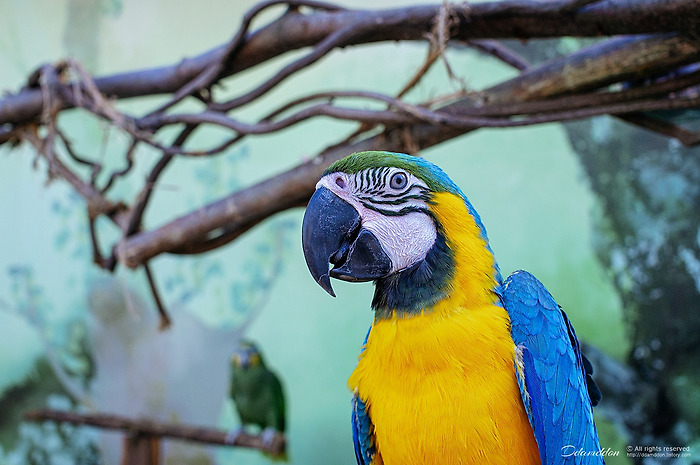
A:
{"points": [[151, 428]]}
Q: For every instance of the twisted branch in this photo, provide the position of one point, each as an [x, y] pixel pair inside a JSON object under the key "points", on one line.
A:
{"points": [[518, 19], [589, 82], [238, 212]]}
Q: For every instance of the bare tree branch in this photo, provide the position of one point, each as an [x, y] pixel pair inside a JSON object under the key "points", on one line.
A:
{"points": [[215, 70], [461, 118], [509, 19], [236, 213], [96, 202], [501, 52], [653, 63], [686, 137], [152, 428], [577, 4], [136, 215], [165, 321], [571, 87]]}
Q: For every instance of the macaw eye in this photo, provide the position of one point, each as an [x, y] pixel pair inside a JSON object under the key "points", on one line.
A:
{"points": [[236, 359], [254, 360], [398, 180]]}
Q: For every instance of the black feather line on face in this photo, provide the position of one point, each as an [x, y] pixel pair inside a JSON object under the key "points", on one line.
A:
{"points": [[422, 190], [418, 287], [393, 202], [401, 212], [375, 176]]}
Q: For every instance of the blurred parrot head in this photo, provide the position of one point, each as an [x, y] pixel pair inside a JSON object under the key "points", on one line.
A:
{"points": [[246, 356], [397, 220]]}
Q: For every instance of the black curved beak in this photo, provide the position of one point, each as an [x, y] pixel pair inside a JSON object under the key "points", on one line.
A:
{"points": [[332, 233]]}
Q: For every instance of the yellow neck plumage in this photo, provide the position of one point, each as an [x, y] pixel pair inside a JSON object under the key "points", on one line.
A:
{"points": [[475, 269], [440, 384]]}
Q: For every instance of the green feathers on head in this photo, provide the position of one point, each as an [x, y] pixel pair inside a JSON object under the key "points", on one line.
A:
{"points": [[434, 177], [430, 174]]}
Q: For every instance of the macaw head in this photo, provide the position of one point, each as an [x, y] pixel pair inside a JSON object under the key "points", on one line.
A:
{"points": [[400, 221], [246, 356]]}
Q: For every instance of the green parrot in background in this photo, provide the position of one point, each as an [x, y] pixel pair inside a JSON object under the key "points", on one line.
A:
{"points": [[259, 398]]}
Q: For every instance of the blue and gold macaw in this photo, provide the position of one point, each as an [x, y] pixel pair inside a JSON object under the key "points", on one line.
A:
{"points": [[458, 366]]}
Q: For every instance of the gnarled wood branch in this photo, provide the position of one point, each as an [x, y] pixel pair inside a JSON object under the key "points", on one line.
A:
{"points": [[658, 41], [154, 428], [519, 19], [226, 219]]}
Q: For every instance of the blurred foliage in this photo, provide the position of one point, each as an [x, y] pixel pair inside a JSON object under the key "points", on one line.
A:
{"points": [[29, 394], [226, 294], [648, 237], [54, 444], [646, 234], [68, 357]]}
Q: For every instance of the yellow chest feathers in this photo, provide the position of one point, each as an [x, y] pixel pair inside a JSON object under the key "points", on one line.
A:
{"points": [[442, 389]]}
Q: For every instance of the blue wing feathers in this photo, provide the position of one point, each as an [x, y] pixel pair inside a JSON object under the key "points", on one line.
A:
{"points": [[356, 433], [557, 388], [362, 429], [556, 377], [537, 323], [362, 432]]}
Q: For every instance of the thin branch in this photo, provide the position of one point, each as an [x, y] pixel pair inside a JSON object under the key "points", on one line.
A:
{"points": [[500, 51], [134, 222], [215, 70], [151, 428], [240, 210], [84, 93], [294, 31], [432, 57], [96, 202], [686, 137], [444, 24], [574, 5], [216, 150], [95, 168], [165, 320], [334, 40], [412, 114], [238, 40], [352, 114], [108, 264], [129, 157]]}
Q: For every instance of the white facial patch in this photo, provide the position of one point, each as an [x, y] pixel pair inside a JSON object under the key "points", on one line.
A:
{"points": [[405, 238]]}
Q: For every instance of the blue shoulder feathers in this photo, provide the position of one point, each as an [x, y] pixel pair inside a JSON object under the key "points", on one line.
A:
{"points": [[558, 390], [553, 375], [362, 428]]}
